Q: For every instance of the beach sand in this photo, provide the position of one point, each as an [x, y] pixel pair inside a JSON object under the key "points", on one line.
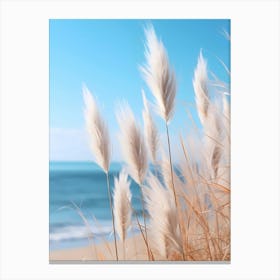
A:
{"points": [[135, 249]]}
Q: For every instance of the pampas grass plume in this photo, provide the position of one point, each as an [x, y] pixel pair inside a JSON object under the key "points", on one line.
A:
{"points": [[133, 144], [226, 109], [150, 130], [98, 132], [122, 204], [200, 82], [159, 76], [163, 217]]}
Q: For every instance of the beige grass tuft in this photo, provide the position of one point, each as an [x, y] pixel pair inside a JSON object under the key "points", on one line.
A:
{"points": [[163, 218], [189, 212]]}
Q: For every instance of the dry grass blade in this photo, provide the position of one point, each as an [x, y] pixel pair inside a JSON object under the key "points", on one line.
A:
{"points": [[204, 225], [105, 242], [150, 254], [219, 186], [87, 225]]}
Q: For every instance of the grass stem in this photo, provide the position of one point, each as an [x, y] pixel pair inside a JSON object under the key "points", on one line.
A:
{"points": [[173, 188], [112, 213]]}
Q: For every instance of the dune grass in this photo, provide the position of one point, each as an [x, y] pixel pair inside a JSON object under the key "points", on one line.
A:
{"points": [[188, 203]]}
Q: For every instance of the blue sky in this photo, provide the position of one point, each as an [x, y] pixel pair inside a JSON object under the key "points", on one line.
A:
{"points": [[106, 55]]}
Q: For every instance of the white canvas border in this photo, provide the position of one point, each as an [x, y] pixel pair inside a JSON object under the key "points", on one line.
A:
{"points": [[24, 138]]}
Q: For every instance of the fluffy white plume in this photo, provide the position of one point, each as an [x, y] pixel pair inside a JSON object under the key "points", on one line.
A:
{"points": [[150, 130], [226, 140], [122, 204], [98, 132], [226, 109], [133, 145], [163, 217], [200, 82], [210, 116], [159, 76]]}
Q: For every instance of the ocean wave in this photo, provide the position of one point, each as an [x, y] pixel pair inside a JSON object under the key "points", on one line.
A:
{"points": [[76, 232], [79, 232]]}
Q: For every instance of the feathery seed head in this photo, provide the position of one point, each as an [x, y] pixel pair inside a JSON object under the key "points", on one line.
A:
{"points": [[159, 76], [200, 84], [97, 130], [133, 145], [150, 130], [226, 108], [122, 204], [163, 217]]}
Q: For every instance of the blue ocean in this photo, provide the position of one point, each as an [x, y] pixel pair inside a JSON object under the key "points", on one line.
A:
{"points": [[79, 210]]}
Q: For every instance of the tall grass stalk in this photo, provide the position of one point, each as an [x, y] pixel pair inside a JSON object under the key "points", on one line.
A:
{"points": [[99, 143], [134, 150], [190, 210], [112, 214], [162, 83], [173, 188], [122, 206]]}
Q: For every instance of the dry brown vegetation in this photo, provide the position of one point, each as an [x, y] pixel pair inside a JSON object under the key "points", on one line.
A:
{"points": [[188, 203]]}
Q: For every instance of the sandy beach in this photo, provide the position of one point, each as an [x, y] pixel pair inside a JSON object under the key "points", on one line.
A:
{"points": [[135, 249]]}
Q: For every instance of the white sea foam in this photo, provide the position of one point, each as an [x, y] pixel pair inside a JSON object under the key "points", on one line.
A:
{"points": [[75, 232], [78, 232]]}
